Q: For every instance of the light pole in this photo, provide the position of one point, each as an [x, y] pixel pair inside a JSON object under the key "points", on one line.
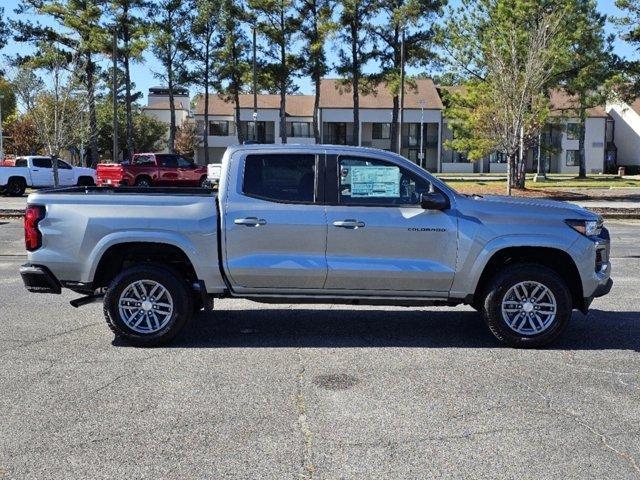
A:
{"points": [[255, 87], [115, 93], [421, 156], [1, 133]]}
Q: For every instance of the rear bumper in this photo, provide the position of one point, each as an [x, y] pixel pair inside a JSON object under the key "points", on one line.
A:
{"points": [[38, 279]]}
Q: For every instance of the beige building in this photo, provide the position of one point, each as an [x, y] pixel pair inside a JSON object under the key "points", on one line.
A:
{"points": [[423, 126], [158, 106]]}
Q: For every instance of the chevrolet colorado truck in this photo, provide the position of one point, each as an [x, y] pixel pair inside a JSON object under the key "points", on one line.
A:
{"points": [[320, 224]]}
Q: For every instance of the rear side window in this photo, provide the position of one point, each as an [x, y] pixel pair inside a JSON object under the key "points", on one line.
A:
{"points": [[143, 160], [22, 162], [280, 178], [42, 163]]}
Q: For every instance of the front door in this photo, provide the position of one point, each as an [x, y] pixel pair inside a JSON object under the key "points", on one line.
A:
{"points": [[379, 238], [275, 229], [65, 174]]}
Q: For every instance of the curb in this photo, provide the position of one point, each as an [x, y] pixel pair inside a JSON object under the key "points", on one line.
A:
{"points": [[11, 213]]}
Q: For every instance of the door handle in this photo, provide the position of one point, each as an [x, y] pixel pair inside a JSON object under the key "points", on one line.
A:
{"points": [[250, 221], [350, 224]]}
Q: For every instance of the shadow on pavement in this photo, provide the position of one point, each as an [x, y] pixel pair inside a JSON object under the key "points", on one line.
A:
{"points": [[340, 328]]}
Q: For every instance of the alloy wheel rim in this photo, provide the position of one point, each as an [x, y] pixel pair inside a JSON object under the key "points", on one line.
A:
{"points": [[529, 308], [145, 306]]}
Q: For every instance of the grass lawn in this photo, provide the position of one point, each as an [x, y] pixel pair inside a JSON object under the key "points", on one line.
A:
{"points": [[555, 186]]}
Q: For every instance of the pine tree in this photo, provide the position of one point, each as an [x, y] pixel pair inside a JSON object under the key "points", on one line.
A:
{"points": [[278, 23], [169, 42], [317, 26], [415, 19], [232, 59], [356, 30], [204, 27], [132, 31], [79, 32]]}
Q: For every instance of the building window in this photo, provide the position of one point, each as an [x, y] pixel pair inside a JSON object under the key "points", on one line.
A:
{"points": [[573, 158], [219, 128], [381, 131], [573, 131], [299, 129], [498, 157]]}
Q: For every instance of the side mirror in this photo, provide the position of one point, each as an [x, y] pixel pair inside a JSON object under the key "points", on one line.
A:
{"points": [[434, 201]]}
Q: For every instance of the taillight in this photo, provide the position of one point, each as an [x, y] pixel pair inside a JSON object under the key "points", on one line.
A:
{"points": [[32, 236]]}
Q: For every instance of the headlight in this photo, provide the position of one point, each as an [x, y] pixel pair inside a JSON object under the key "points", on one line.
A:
{"points": [[589, 228]]}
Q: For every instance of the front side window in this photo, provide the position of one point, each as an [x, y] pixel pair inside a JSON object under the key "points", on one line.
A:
{"points": [[42, 163], [219, 128], [184, 163], [64, 165], [573, 158], [365, 181], [280, 178], [381, 131]]}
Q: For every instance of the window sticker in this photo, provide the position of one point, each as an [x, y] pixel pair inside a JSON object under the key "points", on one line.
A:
{"points": [[381, 182]]}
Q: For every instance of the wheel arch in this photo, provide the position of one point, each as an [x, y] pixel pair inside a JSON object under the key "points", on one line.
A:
{"points": [[554, 258], [117, 255]]}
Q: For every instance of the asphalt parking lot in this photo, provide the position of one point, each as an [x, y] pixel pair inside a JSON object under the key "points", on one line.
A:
{"points": [[277, 392]]}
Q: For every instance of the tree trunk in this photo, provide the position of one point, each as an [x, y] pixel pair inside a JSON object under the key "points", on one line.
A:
{"points": [[511, 166], [205, 133], [316, 109], [355, 73], [540, 157], [283, 80], [236, 101], [90, 69], [583, 123], [393, 130], [127, 86], [172, 111]]}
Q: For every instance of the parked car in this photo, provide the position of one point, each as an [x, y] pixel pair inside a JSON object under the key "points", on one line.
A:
{"points": [[37, 172], [323, 224], [153, 170]]}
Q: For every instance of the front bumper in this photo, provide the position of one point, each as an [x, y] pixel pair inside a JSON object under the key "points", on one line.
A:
{"points": [[38, 279]]}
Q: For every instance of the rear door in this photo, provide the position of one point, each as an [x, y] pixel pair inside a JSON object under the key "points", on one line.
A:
{"points": [[187, 175], [275, 225], [379, 237], [42, 172]]}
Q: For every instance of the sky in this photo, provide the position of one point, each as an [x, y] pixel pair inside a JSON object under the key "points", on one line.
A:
{"points": [[143, 73]]}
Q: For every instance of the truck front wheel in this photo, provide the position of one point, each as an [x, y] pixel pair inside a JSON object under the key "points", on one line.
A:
{"points": [[527, 305], [147, 305]]}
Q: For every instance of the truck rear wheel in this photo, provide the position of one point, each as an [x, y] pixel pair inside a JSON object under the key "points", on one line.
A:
{"points": [[16, 187], [147, 305], [527, 305], [143, 182]]}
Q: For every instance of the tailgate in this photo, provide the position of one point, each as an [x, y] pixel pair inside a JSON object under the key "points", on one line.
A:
{"points": [[109, 174]]}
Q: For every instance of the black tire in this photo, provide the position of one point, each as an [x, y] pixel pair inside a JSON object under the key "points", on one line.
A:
{"points": [[499, 287], [144, 182], [203, 182], [16, 187], [85, 182], [171, 281]]}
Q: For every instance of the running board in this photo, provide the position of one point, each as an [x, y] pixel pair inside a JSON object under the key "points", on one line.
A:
{"points": [[79, 302]]}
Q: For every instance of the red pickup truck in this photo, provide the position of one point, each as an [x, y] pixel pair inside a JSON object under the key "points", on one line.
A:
{"points": [[152, 169]]}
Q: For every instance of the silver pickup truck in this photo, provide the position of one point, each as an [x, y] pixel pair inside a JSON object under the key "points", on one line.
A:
{"points": [[322, 224]]}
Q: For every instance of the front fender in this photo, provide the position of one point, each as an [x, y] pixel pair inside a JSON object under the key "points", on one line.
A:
{"points": [[477, 255]]}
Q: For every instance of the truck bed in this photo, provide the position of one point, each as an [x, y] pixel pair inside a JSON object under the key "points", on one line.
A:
{"points": [[179, 191]]}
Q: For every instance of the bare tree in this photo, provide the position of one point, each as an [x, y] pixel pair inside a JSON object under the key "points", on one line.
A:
{"points": [[54, 108]]}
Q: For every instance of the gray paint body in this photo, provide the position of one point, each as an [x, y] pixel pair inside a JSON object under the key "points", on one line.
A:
{"points": [[402, 253]]}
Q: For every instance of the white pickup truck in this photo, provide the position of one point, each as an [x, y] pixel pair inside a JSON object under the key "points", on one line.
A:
{"points": [[37, 172]]}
